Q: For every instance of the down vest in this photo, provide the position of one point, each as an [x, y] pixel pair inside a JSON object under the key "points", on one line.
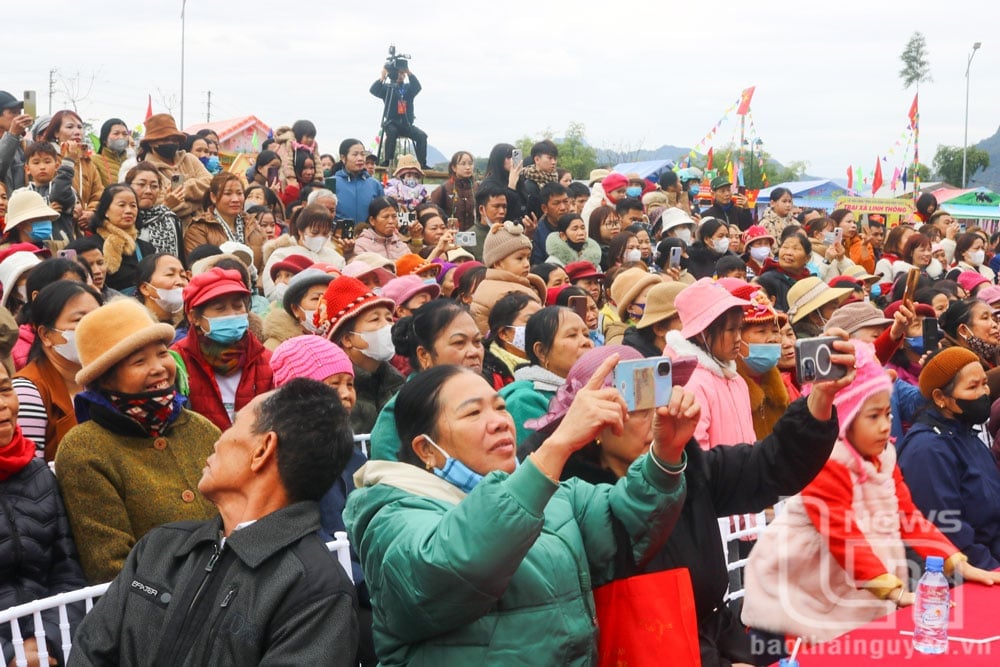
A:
{"points": [[37, 556], [205, 396]]}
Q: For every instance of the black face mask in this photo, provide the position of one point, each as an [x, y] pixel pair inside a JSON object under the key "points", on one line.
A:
{"points": [[974, 412], [167, 151]]}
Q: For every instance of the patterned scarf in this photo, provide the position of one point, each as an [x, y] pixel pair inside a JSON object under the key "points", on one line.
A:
{"points": [[223, 358], [118, 243], [157, 226], [154, 411], [240, 235], [532, 173], [17, 454]]}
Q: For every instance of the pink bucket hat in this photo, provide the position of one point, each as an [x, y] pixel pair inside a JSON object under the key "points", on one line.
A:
{"points": [[702, 303]]}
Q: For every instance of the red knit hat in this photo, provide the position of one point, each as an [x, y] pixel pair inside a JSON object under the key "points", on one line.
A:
{"points": [[756, 233], [760, 309], [613, 181], [345, 298], [552, 294]]}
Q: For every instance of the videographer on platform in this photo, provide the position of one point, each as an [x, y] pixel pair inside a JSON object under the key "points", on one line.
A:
{"points": [[397, 86]]}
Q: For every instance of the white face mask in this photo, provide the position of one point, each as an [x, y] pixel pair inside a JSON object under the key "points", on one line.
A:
{"points": [[314, 243], [380, 347], [760, 253], [307, 322], [518, 340], [976, 257], [720, 245], [68, 349], [684, 235], [279, 292], [170, 300], [633, 255], [934, 269]]}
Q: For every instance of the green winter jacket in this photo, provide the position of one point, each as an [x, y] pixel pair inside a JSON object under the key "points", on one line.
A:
{"points": [[502, 576], [529, 395]]}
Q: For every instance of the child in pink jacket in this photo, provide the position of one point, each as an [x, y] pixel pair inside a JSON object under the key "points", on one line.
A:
{"points": [[835, 558], [711, 320]]}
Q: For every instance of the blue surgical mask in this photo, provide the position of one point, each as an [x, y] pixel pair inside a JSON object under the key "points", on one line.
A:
{"points": [[211, 163], [762, 357], [915, 343], [41, 230], [227, 329], [694, 190], [454, 471], [633, 191]]}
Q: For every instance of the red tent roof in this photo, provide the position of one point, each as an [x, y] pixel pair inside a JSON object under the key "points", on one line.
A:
{"points": [[232, 126]]}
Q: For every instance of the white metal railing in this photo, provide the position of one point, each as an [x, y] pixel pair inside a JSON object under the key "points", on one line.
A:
{"points": [[339, 546]]}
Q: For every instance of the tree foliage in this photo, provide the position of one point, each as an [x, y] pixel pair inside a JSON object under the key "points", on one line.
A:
{"points": [[948, 163], [916, 68], [575, 154]]}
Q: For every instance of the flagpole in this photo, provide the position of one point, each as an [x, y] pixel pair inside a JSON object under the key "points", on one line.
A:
{"points": [[916, 149], [183, 6]]}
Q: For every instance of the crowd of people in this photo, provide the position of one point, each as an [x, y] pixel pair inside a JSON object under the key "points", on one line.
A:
{"points": [[191, 350]]}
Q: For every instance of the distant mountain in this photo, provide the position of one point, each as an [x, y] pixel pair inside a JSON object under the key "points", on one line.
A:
{"points": [[665, 152], [989, 177]]}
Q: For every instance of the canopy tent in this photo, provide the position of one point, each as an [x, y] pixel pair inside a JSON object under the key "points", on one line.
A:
{"points": [[975, 204], [821, 194], [649, 169]]}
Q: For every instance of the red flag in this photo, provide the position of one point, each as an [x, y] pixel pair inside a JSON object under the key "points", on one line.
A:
{"points": [[850, 178], [745, 97], [708, 165], [914, 113], [149, 107], [877, 178]]}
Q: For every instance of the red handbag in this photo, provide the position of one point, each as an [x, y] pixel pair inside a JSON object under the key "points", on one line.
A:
{"points": [[648, 620]]}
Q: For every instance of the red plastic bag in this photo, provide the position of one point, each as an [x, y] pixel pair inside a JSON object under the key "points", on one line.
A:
{"points": [[648, 620]]}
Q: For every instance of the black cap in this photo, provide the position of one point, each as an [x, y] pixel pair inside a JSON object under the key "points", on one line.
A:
{"points": [[8, 101]]}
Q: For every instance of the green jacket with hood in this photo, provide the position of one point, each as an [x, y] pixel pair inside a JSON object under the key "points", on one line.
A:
{"points": [[503, 575]]}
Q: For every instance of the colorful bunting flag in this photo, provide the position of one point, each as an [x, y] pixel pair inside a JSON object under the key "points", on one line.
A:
{"points": [[255, 142], [850, 178], [711, 152], [914, 114]]}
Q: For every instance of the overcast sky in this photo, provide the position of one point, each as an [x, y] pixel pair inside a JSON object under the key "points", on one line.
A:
{"points": [[637, 74]]}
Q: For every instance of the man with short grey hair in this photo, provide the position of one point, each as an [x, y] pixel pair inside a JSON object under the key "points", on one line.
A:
{"points": [[257, 584]]}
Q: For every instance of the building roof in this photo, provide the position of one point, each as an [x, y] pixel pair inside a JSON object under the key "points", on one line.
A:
{"points": [[232, 126]]}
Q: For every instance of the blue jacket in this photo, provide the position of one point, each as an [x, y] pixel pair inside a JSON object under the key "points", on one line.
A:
{"points": [[905, 403], [354, 194], [955, 483]]}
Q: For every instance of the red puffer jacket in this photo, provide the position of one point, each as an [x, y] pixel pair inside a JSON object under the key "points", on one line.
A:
{"points": [[205, 397]]}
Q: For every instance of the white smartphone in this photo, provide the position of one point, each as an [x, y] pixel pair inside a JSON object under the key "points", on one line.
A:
{"points": [[517, 158]]}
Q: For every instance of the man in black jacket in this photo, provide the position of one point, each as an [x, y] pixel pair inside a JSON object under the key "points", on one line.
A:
{"points": [[256, 584], [397, 94], [727, 206]]}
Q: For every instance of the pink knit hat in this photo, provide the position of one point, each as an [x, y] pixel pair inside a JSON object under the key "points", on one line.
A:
{"points": [[871, 379], [308, 356], [970, 280]]}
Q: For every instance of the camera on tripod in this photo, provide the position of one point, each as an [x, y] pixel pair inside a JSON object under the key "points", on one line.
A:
{"points": [[396, 62]]}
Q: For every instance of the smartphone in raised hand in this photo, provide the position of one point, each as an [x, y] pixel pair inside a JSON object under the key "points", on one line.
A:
{"points": [[30, 103]]}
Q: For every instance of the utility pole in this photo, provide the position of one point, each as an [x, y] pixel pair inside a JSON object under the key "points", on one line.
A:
{"points": [[208, 111], [52, 87], [183, 7]]}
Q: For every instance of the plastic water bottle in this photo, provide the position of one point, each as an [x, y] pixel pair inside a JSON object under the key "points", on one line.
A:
{"points": [[930, 610]]}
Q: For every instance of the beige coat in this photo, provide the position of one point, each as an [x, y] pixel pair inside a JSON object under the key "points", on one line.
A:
{"points": [[196, 182], [496, 285]]}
